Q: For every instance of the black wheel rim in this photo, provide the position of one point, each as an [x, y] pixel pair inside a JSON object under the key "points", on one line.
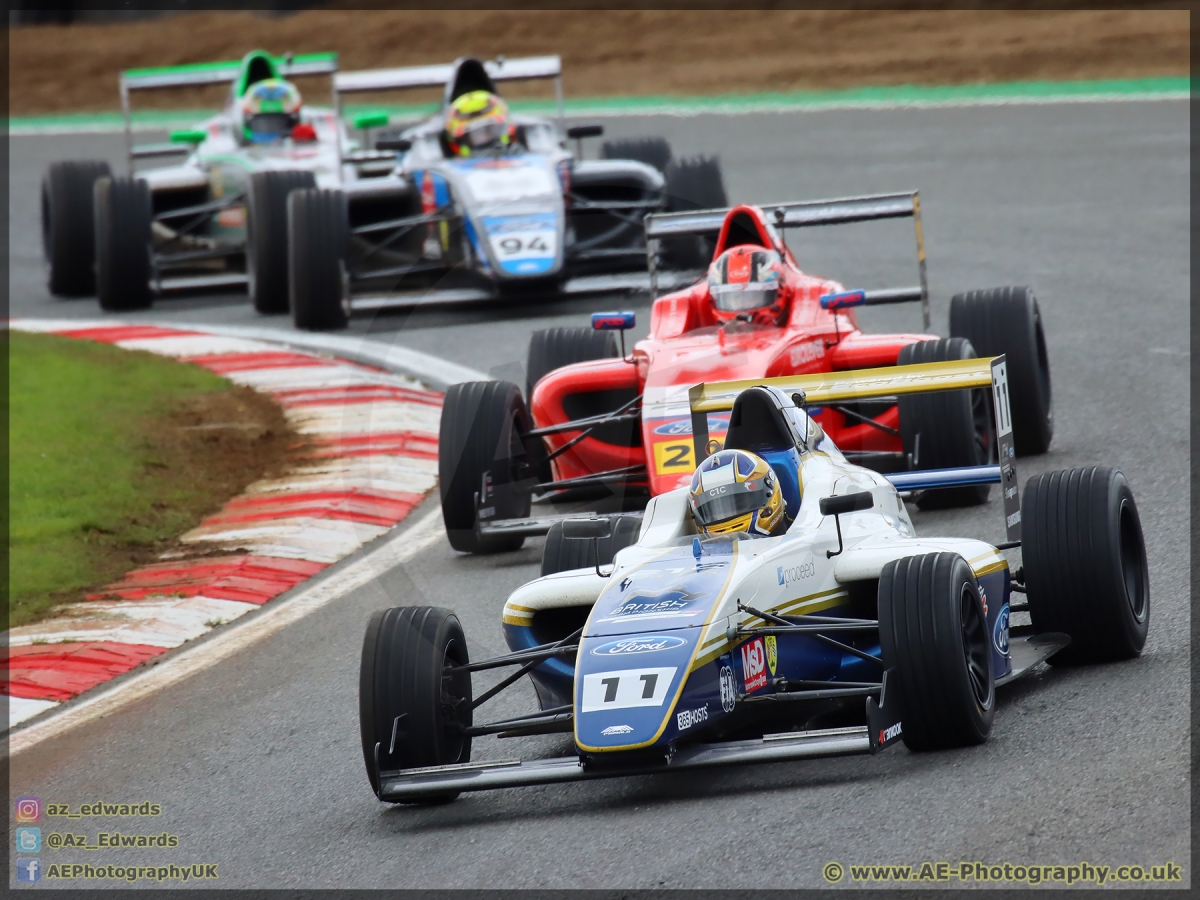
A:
{"points": [[1133, 563], [975, 646], [454, 704], [981, 416]]}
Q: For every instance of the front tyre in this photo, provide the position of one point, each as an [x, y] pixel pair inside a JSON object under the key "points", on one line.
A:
{"points": [[123, 243], [69, 228], [267, 237], [933, 632], [411, 713], [949, 429], [566, 554], [317, 236], [483, 435], [1007, 320], [553, 348], [1085, 563]]}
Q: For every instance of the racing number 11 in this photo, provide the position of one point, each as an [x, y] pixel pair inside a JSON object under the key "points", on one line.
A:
{"points": [[648, 681]]}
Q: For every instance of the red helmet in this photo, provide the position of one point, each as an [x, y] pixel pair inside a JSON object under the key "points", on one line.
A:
{"points": [[747, 281]]}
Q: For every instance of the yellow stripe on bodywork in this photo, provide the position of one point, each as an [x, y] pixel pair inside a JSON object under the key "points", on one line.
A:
{"points": [[517, 615], [714, 647], [832, 387]]}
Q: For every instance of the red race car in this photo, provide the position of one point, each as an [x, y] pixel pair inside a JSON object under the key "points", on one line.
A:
{"points": [[603, 424]]}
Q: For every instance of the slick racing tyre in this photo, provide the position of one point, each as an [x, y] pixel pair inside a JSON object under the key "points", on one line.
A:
{"points": [[1085, 564], [1007, 320], [482, 434], [69, 227], [947, 429], [553, 348], [563, 555], [933, 632], [123, 243], [694, 183], [653, 151], [410, 712], [267, 237], [317, 234]]}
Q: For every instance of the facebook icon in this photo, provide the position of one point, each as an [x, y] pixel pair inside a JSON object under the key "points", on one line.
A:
{"points": [[29, 870]]}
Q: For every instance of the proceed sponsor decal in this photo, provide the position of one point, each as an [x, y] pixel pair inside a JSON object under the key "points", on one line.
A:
{"points": [[795, 573], [728, 689], [647, 644], [626, 688], [754, 665], [685, 719]]}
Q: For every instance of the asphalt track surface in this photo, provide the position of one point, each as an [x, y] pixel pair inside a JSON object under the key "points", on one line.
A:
{"points": [[256, 761]]}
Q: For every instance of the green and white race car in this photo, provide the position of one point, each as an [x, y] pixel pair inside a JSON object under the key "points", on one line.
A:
{"points": [[219, 218]]}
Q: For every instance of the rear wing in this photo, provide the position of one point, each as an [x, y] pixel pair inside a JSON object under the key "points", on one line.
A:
{"points": [[198, 74], [892, 381], [530, 68], [806, 214]]}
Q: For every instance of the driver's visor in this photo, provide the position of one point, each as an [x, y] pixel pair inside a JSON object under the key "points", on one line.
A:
{"points": [[271, 124], [727, 501], [740, 297], [483, 135]]}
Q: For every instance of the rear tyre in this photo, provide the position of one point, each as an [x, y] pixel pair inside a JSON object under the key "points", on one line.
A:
{"points": [[317, 234], [410, 712], [1085, 563], [653, 151], [553, 348], [563, 555], [69, 226], [482, 431], [123, 243], [694, 183], [1007, 320], [267, 237], [933, 632], [947, 429]]}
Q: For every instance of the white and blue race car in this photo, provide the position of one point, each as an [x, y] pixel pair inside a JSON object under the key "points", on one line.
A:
{"points": [[845, 634], [534, 219]]}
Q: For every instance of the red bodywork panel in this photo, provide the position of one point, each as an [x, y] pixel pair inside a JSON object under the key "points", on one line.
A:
{"points": [[687, 346]]}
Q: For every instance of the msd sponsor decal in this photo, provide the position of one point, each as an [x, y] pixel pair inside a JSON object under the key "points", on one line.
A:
{"points": [[792, 574], [754, 665], [649, 644]]}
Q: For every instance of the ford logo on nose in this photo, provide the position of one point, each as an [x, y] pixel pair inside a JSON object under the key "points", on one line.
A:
{"points": [[649, 644]]}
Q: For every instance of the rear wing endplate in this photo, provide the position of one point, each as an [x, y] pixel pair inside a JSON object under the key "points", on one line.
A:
{"points": [[804, 214], [528, 68], [834, 387]]}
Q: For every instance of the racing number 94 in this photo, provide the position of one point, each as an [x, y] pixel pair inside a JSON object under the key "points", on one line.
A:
{"points": [[511, 246]]}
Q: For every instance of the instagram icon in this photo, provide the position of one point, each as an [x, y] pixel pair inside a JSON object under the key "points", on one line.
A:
{"points": [[29, 809]]}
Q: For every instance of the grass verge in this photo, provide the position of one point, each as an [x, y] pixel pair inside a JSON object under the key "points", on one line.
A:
{"points": [[112, 455]]}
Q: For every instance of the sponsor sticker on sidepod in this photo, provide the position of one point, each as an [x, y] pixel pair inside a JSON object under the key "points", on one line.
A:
{"points": [[754, 665], [643, 644]]}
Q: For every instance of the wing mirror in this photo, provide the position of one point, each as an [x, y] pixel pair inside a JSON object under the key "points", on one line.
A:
{"points": [[839, 505], [399, 145], [844, 300], [586, 529], [579, 132], [366, 120], [613, 321]]}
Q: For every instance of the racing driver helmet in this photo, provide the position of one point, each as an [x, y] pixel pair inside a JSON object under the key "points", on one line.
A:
{"points": [[478, 122], [268, 111], [746, 282], [735, 490]]}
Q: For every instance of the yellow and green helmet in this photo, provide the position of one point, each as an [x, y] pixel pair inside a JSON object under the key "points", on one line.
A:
{"points": [[269, 110], [478, 121]]}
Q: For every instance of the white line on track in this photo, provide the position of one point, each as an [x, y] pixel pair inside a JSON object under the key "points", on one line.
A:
{"points": [[397, 550]]}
